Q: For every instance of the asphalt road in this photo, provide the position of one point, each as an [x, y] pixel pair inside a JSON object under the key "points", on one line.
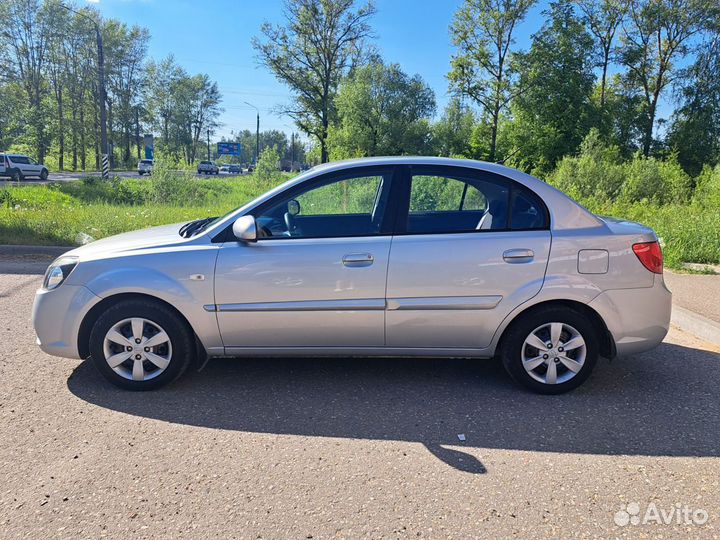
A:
{"points": [[68, 176], [329, 448]]}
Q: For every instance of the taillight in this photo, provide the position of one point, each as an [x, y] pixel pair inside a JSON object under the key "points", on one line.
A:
{"points": [[650, 255]]}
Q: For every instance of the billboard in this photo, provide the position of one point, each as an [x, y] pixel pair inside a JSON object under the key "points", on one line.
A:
{"points": [[228, 149]]}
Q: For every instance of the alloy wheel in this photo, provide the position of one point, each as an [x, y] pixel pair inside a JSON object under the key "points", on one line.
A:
{"points": [[137, 349], [554, 353]]}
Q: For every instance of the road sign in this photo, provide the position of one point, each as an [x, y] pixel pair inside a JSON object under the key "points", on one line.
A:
{"points": [[228, 149]]}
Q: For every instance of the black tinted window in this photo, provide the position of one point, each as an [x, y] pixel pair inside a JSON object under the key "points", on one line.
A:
{"points": [[20, 160], [527, 211]]}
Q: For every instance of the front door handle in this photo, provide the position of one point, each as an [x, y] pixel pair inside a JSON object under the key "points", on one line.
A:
{"points": [[518, 256], [354, 260]]}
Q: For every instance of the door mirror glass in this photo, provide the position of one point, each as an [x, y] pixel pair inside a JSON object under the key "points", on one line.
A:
{"points": [[245, 229], [293, 207]]}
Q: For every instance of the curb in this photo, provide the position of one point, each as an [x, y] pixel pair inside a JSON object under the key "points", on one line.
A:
{"points": [[696, 324], [50, 251]]}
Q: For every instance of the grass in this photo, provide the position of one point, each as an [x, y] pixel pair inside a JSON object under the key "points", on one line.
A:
{"points": [[62, 214]]}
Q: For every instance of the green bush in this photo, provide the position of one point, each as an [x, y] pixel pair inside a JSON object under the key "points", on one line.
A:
{"points": [[268, 165], [707, 190], [596, 172]]}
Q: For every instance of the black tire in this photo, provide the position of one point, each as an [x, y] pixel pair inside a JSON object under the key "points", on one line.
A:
{"points": [[520, 329], [181, 340], [44, 175], [16, 176]]}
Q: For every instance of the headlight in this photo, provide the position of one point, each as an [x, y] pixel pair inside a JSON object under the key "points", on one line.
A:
{"points": [[58, 271]]}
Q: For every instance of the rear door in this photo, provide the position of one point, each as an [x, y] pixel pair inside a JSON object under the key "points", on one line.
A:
{"points": [[470, 247]]}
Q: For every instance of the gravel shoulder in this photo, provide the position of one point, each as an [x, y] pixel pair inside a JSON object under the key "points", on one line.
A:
{"points": [[329, 448]]}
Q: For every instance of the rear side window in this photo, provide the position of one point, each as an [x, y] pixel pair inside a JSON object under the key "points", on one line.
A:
{"points": [[460, 201], [23, 160], [446, 203]]}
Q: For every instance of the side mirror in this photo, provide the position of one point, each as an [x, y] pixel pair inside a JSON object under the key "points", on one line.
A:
{"points": [[245, 229]]}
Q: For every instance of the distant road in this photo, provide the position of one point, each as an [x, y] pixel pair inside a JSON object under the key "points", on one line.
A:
{"points": [[68, 176]]}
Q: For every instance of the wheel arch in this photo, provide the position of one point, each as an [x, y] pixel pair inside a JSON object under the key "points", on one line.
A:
{"points": [[83, 339], [605, 338]]}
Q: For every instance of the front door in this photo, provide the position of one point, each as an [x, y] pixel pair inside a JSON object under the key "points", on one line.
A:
{"points": [[471, 246], [316, 275]]}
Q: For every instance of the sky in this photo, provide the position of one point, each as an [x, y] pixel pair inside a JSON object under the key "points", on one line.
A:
{"points": [[214, 37]]}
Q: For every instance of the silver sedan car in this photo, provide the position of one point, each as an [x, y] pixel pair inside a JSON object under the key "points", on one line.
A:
{"points": [[384, 256]]}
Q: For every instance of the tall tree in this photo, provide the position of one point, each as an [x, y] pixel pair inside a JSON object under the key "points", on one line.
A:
{"points": [[125, 50], [656, 35], [603, 19], [483, 68], [453, 132], [313, 51], [162, 80], [382, 111], [26, 27], [695, 131], [555, 111]]}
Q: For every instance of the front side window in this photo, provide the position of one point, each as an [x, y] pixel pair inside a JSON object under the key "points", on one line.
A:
{"points": [[447, 203], [350, 205]]}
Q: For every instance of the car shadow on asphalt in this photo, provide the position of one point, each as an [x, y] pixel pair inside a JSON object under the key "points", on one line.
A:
{"points": [[661, 403]]}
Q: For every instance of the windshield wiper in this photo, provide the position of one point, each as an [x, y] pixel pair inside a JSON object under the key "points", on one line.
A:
{"points": [[194, 227]]}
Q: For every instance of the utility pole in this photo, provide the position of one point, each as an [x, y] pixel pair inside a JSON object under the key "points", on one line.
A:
{"points": [[101, 92], [208, 137], [257, 133], [292, 151]]}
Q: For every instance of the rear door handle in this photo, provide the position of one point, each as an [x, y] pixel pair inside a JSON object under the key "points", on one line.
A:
{"points": [[518, 255], [354, 260]]}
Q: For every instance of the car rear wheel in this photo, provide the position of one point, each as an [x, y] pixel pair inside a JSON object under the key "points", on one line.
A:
{"points": [[43, 175], [550, 350], [141, 345], [16, 176]]}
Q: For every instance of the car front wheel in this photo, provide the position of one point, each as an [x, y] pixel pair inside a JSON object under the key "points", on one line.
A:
{"points": [[141, 345], [550, 350], [43, 175]]}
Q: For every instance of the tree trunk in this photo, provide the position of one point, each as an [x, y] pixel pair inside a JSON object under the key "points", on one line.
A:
{"points": [[648, 135], [97, 140], [493, 133], [83, 147], [110, 134], [603, 81], [73, 137], [137, 134], [61, 129]]}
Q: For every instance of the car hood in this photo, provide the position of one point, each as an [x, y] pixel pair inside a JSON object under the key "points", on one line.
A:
{"points": [[154, 237]]}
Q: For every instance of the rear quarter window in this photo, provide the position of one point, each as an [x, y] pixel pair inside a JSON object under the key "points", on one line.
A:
{"points": [[527, 211]]}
